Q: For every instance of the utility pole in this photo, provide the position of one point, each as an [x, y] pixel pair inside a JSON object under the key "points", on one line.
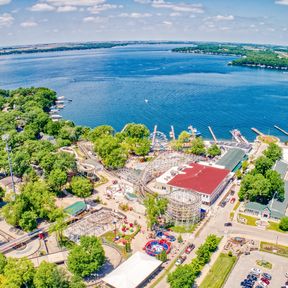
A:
{"points": [[5, 138]]}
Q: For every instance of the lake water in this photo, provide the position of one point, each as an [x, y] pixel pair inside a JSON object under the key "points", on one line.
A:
{"points": [[151, 85]]}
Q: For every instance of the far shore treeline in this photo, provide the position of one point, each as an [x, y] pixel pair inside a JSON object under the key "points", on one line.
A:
{"points": [[252, 56]]}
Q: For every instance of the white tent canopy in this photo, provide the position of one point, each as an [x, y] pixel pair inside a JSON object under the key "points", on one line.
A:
{"points": [[132, 272]]}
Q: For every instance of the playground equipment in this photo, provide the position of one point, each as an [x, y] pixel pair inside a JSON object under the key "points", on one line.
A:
{"points": [[155, 247]]}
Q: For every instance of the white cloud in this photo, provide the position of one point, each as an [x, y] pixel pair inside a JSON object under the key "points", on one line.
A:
{"points": [[75, 2], [175, 14], [6, 20], [168, 23], [29, 24], [66, 9], [39, 7], [4, 2], [223, 18], [102, 7], [92, 19], [181, 7], [282, 2], [135, 15]]}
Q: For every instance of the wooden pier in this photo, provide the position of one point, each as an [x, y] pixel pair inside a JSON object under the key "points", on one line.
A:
{"points": [[257, 131], [212, 133], [172, 133], [154, 135], [281, 130]]}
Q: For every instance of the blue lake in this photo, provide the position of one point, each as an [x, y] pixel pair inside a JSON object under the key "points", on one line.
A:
{"points": [[110, 86]]}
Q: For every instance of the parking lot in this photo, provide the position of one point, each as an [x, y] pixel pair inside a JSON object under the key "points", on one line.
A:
{"points": [[246, 262]]}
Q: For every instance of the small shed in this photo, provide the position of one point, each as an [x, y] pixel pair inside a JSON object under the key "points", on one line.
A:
{"points": [[76, 208]]}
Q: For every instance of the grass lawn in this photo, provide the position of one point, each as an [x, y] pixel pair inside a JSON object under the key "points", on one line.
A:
{"points": [[182, 229], [219, 272], [249, 219], [275, 226], [274, 249], [236, 206]]}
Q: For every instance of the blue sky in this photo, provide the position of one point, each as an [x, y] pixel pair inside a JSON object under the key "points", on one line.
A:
{"points": [[46, 21]]}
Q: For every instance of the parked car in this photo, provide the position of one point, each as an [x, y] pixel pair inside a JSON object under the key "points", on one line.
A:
{"points": [[266, 281], [232, 200], [180, 260], [189, 248], [223, 204], [286, 274], [256, 271], [267, 276], [228, 224]]}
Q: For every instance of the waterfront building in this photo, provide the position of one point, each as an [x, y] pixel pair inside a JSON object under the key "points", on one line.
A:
{"points": [[209, 181]]}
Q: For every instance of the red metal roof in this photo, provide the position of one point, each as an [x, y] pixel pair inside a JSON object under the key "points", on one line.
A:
{"points": [[200, 178]]}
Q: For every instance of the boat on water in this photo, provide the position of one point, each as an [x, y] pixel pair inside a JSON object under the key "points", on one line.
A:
{"points": [[60, 106], [238, 136], [194, 131]]}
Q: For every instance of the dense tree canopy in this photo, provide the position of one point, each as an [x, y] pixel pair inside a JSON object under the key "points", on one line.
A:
{"points": [[87, 257], [155, 207], [81, 187], [197, 146], [283, 225], [213, 150], [273, 152]]}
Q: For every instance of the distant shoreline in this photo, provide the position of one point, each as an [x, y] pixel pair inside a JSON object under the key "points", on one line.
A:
{"points": [[248, 56]]}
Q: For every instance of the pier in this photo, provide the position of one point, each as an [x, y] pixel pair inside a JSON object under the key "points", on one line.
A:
{"points": [[212, 133], [154, 135], [172, 133], [257, 131], [281, 130]]}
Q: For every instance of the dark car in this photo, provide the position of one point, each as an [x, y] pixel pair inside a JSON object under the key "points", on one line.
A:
{"points": [[267, 276], [266, 281], [228, 224]]}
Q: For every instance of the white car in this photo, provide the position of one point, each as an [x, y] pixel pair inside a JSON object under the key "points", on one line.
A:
{"points": [[256, 271]]}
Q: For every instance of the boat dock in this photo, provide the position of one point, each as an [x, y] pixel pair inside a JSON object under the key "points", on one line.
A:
{"points": [[238, 136], [213, 135], [154, 135], [257, 131], [281, 130], [172, 133]]}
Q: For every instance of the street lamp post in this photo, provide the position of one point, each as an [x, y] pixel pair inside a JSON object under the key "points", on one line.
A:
{"points": [[5, 138]]}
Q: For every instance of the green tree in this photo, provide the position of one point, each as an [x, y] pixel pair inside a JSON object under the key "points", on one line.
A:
{"points": [[76, 282], [273, 152], [138, 131], [48, 275], [87, 257], [100, 131], [255, 188], [59, 226], [244, 165], [155, 207], [183, 277], [283, 225], [28, 221], [197, 146], [19, 273], [81, 187], [203, 254], [57, 178], [3, 262], [184, 137], [162, 256], [180, 239], [214, 150], [212, 242], [263, 164], [276, 184]]}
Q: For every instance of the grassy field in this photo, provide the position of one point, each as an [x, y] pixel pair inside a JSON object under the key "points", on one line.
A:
{"points": [[182, 229], [274, 249], [219, 272], [236, 206], [250, 220], [275, 226]]}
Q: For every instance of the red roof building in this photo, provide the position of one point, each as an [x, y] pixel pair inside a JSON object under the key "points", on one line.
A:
{"points": [[207, 180]]}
